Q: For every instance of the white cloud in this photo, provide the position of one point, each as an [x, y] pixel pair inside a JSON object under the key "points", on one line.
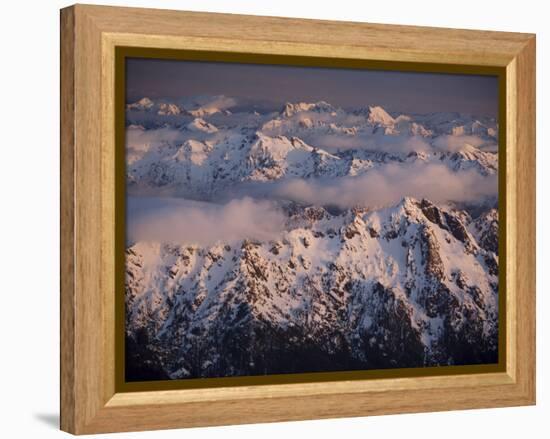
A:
{"points": [[376, 143], [389, 184], [456, 143], [140, 142], [213, 103], [191, 222], [140, 139]]}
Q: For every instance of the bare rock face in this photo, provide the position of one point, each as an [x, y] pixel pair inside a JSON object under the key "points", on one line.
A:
{"points": [[486, 228], [406, 286], [430, 254], [341, 288]]}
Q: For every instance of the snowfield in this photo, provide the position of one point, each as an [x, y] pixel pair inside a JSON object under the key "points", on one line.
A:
{"points": [[313, 238]]}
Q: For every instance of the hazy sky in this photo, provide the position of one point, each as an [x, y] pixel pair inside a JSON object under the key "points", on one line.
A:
{"points": [[347, 88]]}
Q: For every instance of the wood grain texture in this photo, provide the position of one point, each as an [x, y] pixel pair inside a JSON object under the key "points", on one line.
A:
{"points": [[525, 220], [373, 41], [89, 36], [67, 254]]}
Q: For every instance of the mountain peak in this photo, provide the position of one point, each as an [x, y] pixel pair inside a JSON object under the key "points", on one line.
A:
{"points": [[166, 109], [143, 104], [292, 108], [408, 202], [376, 115], [379, 116], [199, 124]]}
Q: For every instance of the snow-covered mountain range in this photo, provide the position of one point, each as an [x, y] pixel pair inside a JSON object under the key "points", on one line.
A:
{"points": [[313, 238]]}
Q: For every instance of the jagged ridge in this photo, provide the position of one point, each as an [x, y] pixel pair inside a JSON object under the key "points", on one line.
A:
{"points": [[407, 286]]}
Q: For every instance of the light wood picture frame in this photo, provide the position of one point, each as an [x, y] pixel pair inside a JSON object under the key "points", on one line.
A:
{"points": [[92, 39]]}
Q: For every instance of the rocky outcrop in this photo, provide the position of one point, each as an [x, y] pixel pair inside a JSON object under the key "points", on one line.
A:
{"points": [[406, 286]]}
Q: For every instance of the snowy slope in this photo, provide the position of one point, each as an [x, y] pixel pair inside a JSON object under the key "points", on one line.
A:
{"points": [[302, 141], [408, 285], [361, 286]]}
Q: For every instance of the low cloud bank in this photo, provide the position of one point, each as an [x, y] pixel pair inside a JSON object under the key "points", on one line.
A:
{"points": [[378, 187], [391, 183], [140, 142], [210, 103], [370, 142], [457, 143], [191, 222], [138, 139]]}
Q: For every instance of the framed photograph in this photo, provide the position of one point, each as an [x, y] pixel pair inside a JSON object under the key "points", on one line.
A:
{"points": [[268, 219]]}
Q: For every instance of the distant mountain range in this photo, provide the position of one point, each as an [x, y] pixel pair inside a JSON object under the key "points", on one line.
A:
{"points": [[346, 284]]}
